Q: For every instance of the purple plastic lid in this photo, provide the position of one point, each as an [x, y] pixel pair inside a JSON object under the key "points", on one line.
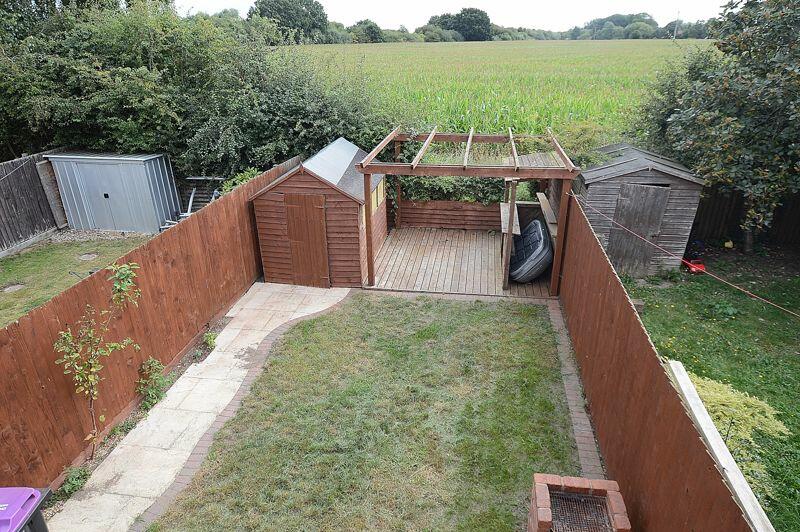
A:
{"points": [[16, 506]]}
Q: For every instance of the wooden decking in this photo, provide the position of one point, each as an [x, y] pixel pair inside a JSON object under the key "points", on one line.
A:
{"points": [[454, 261]]}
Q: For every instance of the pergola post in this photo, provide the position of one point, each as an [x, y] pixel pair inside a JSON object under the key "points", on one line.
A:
{"points": [[398, 147], [368, 228], [509, 244], [558, 256]]}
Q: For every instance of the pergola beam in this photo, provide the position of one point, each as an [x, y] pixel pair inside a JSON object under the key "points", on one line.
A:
{"points": [[423, 149], [385, 142], [560, 152], [439, 170], [513, 149], [478, 138], [469, 147]]}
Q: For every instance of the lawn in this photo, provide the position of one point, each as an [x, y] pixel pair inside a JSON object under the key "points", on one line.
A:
{"points": [[46, 270], [724, 335], [491, 86], [391, 413]]}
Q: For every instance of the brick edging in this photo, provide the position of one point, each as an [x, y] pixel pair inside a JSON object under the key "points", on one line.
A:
{"points": [[200, 451], [588, 452]]}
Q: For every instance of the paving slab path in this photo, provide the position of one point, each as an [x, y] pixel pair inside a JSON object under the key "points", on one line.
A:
{"points": [[147, 461]]}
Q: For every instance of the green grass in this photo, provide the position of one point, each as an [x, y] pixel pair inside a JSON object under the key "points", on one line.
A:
{"points": [[45, 271], [721, 334], [527, 85], [391, 414]]}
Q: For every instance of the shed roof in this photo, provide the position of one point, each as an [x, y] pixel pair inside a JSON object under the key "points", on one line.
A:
{"points": [[626, 159], [104, 156], [336, 164]]}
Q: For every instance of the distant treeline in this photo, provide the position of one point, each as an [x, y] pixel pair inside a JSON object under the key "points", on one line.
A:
{"points": [[309, 23]]}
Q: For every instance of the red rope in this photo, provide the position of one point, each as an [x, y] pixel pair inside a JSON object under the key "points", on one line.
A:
{"points": [[684, 261]]}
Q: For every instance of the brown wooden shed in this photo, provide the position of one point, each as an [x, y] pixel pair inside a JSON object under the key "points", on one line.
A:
{"points": [[310, 221], [651, 195]]}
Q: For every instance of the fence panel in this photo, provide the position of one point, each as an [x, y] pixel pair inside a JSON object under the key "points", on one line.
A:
{"points": [[189, 274], [449, 215], [24, 209], [649, 442]]}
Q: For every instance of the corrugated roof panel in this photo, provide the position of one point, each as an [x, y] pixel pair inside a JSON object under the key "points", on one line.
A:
{"points": [[87, 155], [332, 162]]}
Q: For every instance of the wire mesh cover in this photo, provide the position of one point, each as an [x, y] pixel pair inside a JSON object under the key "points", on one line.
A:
{"points": [[573, 512]]}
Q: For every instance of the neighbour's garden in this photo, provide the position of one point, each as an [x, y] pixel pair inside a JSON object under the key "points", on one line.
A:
{"points": [[391, 413], [721, 334], [38, 274]]}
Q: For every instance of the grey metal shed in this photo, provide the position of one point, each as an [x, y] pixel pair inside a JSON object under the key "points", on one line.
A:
{"points": [[116, 192], [652, 196]]}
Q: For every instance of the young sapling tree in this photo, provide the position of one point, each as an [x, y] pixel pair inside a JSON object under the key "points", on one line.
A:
{"points": [[83, 349]]}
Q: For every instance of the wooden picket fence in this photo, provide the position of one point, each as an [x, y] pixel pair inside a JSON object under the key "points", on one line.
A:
{"points": [[649, 442], [24, 209], [189, 275]]}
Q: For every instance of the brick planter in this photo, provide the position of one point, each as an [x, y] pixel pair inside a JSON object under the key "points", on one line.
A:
{"points": [[557, 501]]}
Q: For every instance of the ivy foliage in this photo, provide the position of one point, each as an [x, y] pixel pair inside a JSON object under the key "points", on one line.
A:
{"points": [[218, 93], [733, 112]]}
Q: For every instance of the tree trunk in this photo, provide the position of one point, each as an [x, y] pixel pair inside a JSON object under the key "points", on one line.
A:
{"points": [[749, 239]]}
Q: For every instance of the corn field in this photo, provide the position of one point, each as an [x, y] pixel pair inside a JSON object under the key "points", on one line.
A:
{"points": [[527, 85]]}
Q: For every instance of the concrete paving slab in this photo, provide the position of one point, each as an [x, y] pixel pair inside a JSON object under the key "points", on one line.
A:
{"points": [[99, 511], [137, 471]]}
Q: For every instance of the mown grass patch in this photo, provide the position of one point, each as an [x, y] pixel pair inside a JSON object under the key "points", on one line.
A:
{"points": [[722, 334], [391, 414], [46, 270]]}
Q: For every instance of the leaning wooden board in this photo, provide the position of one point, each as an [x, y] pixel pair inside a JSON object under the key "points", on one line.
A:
{"points": [[549, 216]]}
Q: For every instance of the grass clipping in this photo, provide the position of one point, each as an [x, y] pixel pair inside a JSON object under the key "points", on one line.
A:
{"points": [[741, 419]]}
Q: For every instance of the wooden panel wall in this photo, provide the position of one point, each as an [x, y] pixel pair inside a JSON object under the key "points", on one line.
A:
{"points": [[341, 218], [721, 213], [450, 215], [380, 227], [650, 445], [189, 274], [24, 209]]}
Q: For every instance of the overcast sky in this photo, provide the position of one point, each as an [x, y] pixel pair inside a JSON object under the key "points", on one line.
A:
{"points": [[539, 14]]}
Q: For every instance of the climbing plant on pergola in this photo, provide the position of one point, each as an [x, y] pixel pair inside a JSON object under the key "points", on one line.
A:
{"points": [[518, 168]]}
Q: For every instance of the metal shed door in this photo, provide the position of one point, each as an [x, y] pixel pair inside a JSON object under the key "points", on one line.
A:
{"points": [[305, 220], [640, 208]]}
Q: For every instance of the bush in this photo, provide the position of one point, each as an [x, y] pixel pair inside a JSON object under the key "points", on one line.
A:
{"points": [[240, 179], [214, 92], [740, 419], [153, 384]]}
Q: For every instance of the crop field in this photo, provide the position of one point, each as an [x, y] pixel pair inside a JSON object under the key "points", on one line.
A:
{"points": [[527, 85]]}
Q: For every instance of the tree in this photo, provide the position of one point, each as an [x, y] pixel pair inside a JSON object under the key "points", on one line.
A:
{"points": [[432, 33], [639, 30], [83, 350], [732, 113], [306, 17], [610, 31], [366, 31], [473, 24]]}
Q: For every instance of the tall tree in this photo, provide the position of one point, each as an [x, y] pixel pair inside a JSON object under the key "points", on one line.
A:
{"points": [[366, 31], [733, 113], [306, 17], [473, 24]]}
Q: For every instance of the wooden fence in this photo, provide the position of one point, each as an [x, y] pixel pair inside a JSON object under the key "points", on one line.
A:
{"points": [[189, 274], [24, 209], [649, 442], [720, 215], [449, 215]]}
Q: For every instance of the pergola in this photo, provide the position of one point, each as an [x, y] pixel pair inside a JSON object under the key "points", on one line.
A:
{"points": [[519, 168]]}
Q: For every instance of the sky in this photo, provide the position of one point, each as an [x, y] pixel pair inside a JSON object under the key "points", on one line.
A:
{"points": [[539, 14]]}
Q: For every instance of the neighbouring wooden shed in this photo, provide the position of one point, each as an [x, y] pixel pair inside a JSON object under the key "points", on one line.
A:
{"points": [[651, 195], [310, 221]]}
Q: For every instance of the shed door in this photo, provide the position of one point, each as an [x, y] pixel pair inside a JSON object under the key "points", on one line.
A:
{"points": [[305, 220], [640, 208]]}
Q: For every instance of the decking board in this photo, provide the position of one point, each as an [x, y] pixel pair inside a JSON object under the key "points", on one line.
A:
{"points": [[456, 261]]}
